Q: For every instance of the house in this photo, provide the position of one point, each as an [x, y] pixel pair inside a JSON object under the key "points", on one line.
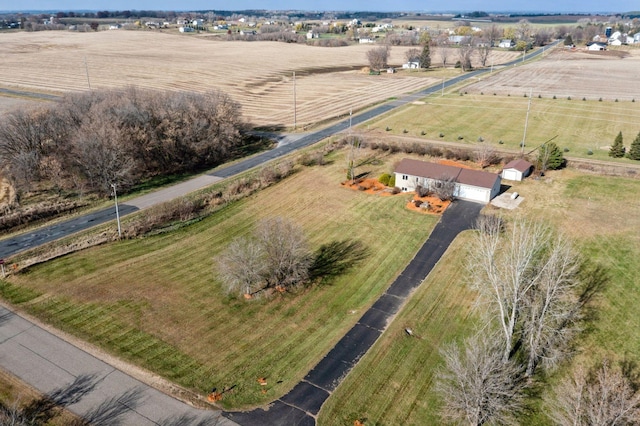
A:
{"points": [[595, 46], [366, 40], [413, 64], [615, 42], [636, 38], [186, 29], [471, 185], [516, 170], [312, 35], [506, 43], [456, 39]]}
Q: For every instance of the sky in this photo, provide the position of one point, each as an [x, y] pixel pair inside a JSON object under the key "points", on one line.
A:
{"points": [[547, 6]]}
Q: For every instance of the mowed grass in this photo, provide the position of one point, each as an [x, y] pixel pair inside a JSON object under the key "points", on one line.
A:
{"points": [[580, 126], [157, 301], [394, 382]]}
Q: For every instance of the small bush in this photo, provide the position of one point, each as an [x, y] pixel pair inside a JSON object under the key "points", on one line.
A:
{"points": [[387, 128], [566, 150], [384, 179], [633, 100], [584, 99], [396, 190], [423, 133], [568, 98], [405, 131], [589, 152], [482, 93], [480, 139], [600, 100], [525, 95], [494, 94], [441, 135], [500, 142], [392, 181], [554, 97], [616, 100], [460, 137], [422, 191], [539, 96], [417, 203]]}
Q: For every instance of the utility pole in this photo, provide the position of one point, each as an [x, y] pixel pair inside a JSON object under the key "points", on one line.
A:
{"points": [[86, 68], [526, 121], [115, 195], [295, 112]]}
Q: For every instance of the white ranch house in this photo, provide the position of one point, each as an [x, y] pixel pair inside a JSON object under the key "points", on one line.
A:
{"points": [[517, 170], [471, 185]]}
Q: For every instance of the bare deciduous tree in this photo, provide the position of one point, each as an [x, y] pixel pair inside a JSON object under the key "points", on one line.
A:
{"points": [[378, 57], [477, 386], [484, 51], [412, 55], [485, 155], [528, 278], [465, 51], [276, 257], [444, 188], [601, 397]]}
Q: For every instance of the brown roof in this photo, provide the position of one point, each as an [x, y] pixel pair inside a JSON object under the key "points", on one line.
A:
{"points": [[519, 164], [439, 171]]}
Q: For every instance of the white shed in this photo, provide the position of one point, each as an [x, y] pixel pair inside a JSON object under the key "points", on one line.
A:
{"points": [[517, 170]]}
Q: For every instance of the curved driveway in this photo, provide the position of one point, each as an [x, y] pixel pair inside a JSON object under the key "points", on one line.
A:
{"points": [[302, 404], [99, 391]]}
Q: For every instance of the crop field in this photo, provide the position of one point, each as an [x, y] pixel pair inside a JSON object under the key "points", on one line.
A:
{"points": [[259, 75], [157, 301], [598, 213]]}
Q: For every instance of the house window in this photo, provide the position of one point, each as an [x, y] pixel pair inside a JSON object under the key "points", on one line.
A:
{"points": [[405, 177], [404, 189]]}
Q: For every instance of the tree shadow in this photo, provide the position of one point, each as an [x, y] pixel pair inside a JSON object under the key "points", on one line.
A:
{"points": [[44, 409], [335, 258], [111, 411]]}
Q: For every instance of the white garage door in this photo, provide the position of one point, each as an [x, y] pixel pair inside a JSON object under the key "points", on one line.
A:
{"points": [[473, 193]]}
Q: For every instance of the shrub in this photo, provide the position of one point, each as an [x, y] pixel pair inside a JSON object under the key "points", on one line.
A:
{"points": [[460, 137], [500, 142], [405, 131], [480, 139], [600, 100], [584, 99], [392, 181], [423, 133], [384, 179], [554, 97], [422, 191], [396, 190], [616, 100], [568, 98], [387, 128], [566, 149], [589, 152], [441, 135], [417, 203], [539, 96]]}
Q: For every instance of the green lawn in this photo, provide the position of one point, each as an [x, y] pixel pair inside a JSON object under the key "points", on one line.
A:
{"points": [[574, 124], [393, 383], [157, 302]]}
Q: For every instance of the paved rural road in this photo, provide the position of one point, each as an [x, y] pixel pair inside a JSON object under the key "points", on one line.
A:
{"points": [[98, 390], [11, 246], [302, 404]]}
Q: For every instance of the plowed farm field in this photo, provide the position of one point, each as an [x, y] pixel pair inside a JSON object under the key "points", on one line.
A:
{"points": [[259, 75], [564, 73]]}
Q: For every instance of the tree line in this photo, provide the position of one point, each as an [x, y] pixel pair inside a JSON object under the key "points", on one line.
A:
{"points": [[89, 141]]}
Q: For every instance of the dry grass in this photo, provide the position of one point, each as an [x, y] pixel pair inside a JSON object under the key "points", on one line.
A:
{"points": [[329, 81]]}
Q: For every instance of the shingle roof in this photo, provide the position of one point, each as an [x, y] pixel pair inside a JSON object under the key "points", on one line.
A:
{"points": [[519, 164], [439, 171]]}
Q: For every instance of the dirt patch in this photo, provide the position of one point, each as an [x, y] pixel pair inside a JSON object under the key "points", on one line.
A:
{"points": [[456, 164], [426, 205]]}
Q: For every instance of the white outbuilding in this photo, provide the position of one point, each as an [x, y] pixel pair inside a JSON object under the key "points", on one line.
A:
{"points": [[517, 170]]}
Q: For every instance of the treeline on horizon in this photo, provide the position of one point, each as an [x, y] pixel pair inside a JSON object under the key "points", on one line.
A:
{"points": [[301, 14]]}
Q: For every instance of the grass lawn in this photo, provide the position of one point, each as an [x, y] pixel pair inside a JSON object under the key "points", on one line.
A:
{"points": [[156, 301], [393, 383], [577, 125]]}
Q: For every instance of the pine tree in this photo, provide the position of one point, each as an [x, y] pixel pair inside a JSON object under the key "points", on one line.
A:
{"points": [[550, 157], [617, 149], [425, 57], [634, 149]]}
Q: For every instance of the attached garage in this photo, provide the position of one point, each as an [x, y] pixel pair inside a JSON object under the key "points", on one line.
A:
{"points": [[471, 185]]}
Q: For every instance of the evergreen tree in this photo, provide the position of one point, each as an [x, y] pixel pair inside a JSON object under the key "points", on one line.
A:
{"points": [[634, 149], [550, 157], [617, 149], [425, 57]]}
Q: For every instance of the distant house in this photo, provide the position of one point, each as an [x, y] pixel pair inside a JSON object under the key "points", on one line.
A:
{"points": [[413, 64], [312, 35], [471, 185], [636, 38], [115, 26], [516, 170], [366, 40], [186, 29], [456, 39], [615, 42], [595, 46], [506, 43]]}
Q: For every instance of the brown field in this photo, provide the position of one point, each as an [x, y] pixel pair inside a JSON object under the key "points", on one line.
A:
{"points": [[609, 75], [329, 81]]}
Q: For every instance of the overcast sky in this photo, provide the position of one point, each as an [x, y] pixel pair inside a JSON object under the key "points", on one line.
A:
{"points": [[342, 5]]}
